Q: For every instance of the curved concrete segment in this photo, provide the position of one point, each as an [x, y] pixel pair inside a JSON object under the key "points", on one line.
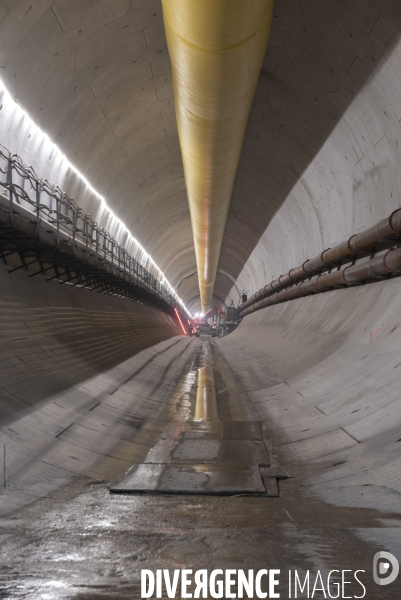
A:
{"points": [[90, 384], [322, 373], [63, 352]]}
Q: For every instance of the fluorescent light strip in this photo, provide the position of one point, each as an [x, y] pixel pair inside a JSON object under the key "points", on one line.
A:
{"points": [[18, 108]]}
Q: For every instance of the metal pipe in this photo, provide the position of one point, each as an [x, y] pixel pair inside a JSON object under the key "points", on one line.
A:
{"points": [[384, 233], [217, 49], [379, 267], [333, 256]]}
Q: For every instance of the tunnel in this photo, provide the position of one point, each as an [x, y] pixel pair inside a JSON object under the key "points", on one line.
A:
{"points": [[129, 447]]}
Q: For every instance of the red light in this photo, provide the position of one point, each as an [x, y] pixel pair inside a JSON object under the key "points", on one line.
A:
{"points": [[179, 318]]}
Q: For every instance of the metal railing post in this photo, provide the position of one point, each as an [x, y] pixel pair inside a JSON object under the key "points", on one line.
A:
{"points": [[38, 194], [58, 197], [10, 186], [86, 234], [97, 241]]}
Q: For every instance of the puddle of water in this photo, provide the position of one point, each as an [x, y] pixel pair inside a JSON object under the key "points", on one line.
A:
{"points": [[183, 405], [206, 404]]}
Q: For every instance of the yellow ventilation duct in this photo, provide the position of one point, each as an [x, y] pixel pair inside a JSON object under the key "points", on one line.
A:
{"points": [[216, 49]]}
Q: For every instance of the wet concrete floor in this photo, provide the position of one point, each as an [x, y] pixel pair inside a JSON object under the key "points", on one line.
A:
{"points": [[82, 542], [203, 454]]}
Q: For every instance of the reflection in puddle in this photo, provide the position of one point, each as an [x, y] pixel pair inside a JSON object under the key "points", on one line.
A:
{"points": [[181, 404], [199, 376], [68, 558], [201, 455], [206, 404]]}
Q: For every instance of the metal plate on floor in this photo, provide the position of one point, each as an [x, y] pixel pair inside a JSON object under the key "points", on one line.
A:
{"points": [[208, 450], [225, 430], [191, 479]]}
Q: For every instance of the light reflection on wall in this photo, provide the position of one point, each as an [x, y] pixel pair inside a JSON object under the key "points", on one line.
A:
{"points": [[20, 135]]}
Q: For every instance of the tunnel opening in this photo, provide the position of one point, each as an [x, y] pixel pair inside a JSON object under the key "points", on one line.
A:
{"points": [[93, 386]]}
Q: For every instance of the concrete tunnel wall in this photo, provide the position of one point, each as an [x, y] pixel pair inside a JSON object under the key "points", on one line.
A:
{"points": [[323, 374], [320, 161], [321, 158], [79, 371]]}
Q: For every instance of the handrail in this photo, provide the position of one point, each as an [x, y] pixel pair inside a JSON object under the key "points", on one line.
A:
{"points": [[52, 206]]}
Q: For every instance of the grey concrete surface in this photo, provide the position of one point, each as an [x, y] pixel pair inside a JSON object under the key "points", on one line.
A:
{"points": [[322, 373], [64, 536], [320, 158], [89, 383], [78, 377], [79, 541], [83, 543]]}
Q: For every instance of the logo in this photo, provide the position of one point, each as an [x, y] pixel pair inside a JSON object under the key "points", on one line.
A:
{"points": [[385, 568]]}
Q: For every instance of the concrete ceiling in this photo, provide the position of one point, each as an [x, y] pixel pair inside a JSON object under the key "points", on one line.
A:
{"points": [[320, 158]]}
